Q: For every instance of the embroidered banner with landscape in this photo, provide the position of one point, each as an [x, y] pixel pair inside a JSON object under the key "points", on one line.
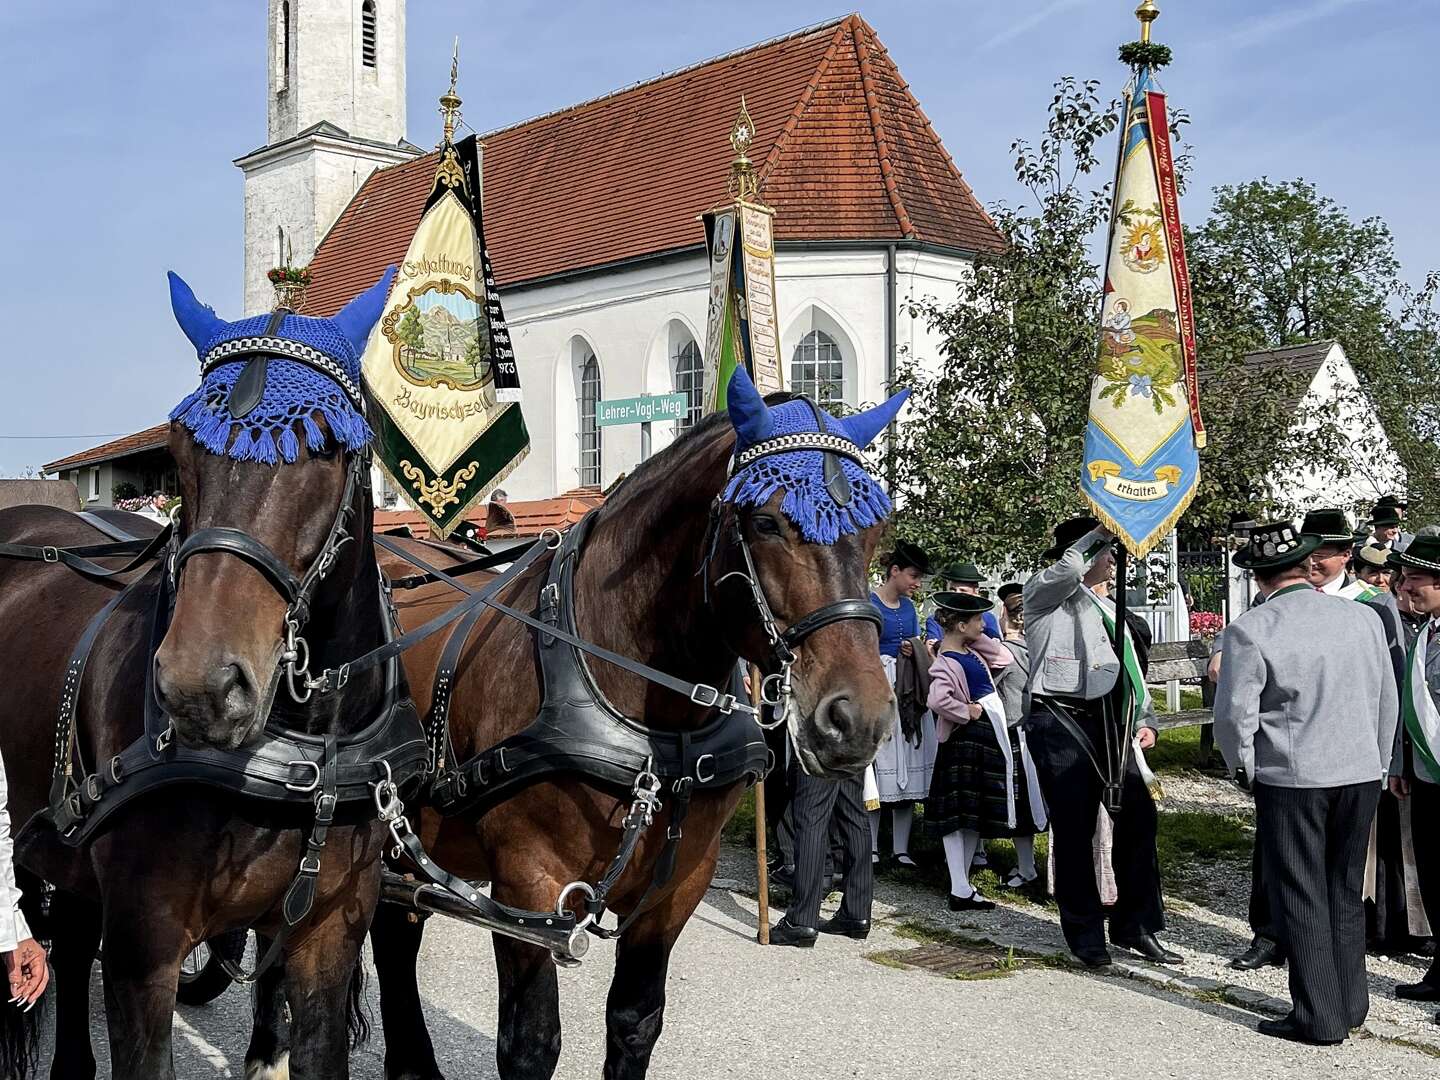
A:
{"points": [[1142, 442], [441, 365]]}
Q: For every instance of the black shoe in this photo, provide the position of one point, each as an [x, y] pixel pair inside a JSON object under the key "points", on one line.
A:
{"points": [[1424, 990], [1286, 1028], [859, 929], [1262, 953], [783, 876], [1146, 944], [970, 903], [785, 932], [1093, 958]]}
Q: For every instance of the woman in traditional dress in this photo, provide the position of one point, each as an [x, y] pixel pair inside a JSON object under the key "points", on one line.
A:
{"points": [[985, 786], [904, 763]]}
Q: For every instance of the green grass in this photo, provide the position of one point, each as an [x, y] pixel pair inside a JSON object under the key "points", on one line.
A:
{"points": [[1187, 840], [1176, 750]]}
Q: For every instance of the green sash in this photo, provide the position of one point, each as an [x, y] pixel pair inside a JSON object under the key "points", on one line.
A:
{"points": [[1417, 708], [1139, 693]]}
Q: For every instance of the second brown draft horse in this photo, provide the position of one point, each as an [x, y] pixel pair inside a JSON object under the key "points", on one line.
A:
{"points": [[684, 569]]}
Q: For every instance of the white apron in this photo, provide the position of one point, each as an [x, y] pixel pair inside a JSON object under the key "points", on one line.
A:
{"points": [[902, 769], [995, 712]]}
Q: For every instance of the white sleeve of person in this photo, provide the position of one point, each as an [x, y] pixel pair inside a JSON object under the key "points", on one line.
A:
{"points": [[13, 928]]}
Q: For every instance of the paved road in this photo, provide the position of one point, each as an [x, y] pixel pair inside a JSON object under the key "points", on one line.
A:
{"points": [[736, 1010]]}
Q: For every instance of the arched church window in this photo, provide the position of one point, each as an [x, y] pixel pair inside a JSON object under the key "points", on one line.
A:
{"points": [[689, 380], [589, 430], [367, 33], [818, 369]]}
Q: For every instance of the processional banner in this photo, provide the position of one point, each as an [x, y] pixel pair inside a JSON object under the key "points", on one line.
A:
{"points": [[1142, 442], [442, 367], [740, 325]]}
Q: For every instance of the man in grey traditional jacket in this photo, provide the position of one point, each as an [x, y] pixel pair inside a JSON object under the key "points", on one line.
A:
{"points": [[1306, 709], [1073, 672]]}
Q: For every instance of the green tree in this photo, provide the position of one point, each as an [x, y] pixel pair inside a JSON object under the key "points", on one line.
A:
{"points": [[988, 455], [1280, 263], [411, 334]]}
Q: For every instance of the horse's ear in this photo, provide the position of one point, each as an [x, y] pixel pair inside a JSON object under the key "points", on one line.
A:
{"points": [[748, 411], [357, 318], [198, 320], [863, 427]]}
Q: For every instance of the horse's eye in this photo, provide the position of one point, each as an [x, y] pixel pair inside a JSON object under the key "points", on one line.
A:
{"points": [[765, 525]]}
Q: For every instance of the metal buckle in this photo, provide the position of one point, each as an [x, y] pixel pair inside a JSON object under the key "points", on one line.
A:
{"points": [[310, 864], [559, 539], [50, 554], [92, 787], [704, 696], [727, 704], [701, 778], [116, 769], [574, 887], [304, 789], [342, 675], [325, 804]]}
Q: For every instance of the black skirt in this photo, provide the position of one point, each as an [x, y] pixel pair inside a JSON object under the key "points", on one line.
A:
{"points": [[968, 788]]}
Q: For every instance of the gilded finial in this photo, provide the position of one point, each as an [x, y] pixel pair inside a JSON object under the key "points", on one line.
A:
{"points": [[742, 137], [450, 101], [1147, 13]]}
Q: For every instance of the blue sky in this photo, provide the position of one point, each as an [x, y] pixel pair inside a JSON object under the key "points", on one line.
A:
{"points": [[124, 118]]}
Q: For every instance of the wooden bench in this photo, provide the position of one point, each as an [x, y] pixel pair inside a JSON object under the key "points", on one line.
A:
{"points": [[1171, 660]]}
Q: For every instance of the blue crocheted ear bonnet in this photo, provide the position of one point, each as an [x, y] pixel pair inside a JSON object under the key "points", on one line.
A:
{"points": [[828, 491], [268, 380]]}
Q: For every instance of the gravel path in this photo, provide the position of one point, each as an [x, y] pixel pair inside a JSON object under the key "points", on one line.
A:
{"points": [[843, 1009]]}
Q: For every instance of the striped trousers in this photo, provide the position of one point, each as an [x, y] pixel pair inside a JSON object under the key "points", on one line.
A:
{"points": [[1313, 843], [813, 802]]}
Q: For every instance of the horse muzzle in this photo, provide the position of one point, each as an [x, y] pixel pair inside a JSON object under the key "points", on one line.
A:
{"points": [[215, 706]]}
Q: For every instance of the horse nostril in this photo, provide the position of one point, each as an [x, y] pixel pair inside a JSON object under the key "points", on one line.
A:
{"points": [[233, 691], [840, 715]]}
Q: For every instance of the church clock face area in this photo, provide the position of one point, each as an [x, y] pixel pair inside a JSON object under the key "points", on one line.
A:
{"points": [[439, 337]]}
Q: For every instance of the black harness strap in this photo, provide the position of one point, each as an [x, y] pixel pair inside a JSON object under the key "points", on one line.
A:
{"points": [[700, 693], [79, 558]]}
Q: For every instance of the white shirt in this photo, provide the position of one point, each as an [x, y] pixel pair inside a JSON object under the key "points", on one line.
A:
{"points": [[13, 928], [1334, 586]]}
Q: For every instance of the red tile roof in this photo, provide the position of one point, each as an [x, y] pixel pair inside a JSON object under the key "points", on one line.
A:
{"points": [[152, 438], [847, 154], [532, 517]]}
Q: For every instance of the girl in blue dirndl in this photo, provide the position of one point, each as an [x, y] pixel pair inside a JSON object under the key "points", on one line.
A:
{"points": [[904, 764]]}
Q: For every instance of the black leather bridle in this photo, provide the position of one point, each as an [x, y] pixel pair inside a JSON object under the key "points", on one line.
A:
{"points": [[776, 687], [245, 394]]}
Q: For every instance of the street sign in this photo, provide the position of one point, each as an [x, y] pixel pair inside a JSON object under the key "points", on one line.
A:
{"points": [[641, 410]]}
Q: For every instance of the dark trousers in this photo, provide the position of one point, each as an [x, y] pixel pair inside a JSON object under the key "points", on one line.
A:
{"points": [[1073, 791], [1388, 928], [778, 784], [1424, 814], [813, 803], [1262, 924], [1314, 842]]}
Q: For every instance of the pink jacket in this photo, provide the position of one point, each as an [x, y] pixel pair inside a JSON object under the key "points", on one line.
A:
{"points": [[949, 697]]}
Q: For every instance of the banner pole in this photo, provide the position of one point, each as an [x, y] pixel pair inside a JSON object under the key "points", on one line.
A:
{"points": [[761, 856], [1115, 788]]}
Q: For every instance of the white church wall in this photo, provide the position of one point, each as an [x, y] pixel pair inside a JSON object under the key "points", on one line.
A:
{"points": [[636, 319]]}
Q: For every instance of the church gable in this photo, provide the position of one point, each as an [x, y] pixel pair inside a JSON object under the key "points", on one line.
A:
{"points": [[847, 154]]}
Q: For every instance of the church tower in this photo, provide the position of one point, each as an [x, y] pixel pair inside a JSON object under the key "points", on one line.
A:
{"points": [[336, 112]]}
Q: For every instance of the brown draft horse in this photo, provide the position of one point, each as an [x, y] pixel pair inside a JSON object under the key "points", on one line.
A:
{"points": [[184, 863], [638, 593]]}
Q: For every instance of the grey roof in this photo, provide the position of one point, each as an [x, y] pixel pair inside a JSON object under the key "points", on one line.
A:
{"points": [[59, 493], [1303, 362]]}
